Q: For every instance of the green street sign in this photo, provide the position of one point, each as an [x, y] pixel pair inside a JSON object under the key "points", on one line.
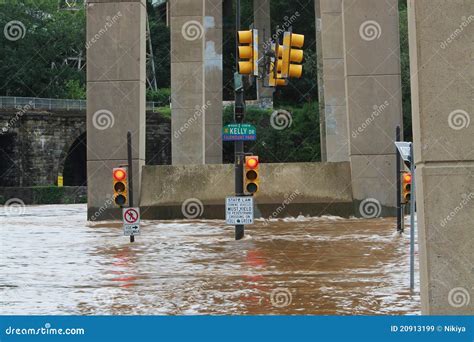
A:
{"points": [[239, 132]]}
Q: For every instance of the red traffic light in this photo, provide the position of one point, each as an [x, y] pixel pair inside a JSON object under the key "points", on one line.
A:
{"points": [[252, 162], [120, 174], [407, 177]]}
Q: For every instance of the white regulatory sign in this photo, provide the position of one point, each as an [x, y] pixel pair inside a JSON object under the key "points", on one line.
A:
{"points": [[131, 221], [405, 150], [239, 210]]}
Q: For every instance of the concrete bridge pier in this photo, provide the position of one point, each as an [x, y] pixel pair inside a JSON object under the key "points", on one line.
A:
{"points": [[115, 96], [337, 144], [441, 53], [373, 100], [262, 22], [196, 81]]}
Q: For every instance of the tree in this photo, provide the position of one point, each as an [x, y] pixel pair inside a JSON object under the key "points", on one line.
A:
{"points": [[33, 56]]}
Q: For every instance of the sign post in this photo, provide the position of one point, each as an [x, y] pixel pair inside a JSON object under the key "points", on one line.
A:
{"points": [[405, 149], [399, 186], [412, 220], [239, 114], [130, 181]]}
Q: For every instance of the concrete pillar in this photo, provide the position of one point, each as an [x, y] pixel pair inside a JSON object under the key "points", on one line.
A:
{"points": [[116, 58], [337, 144], [196, 81], [262, 22], [320, 64], [442, 57], [374, 100]]}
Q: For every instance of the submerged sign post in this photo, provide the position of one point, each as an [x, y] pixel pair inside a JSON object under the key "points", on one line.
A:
{"points": [[239, 210], [131, 221], [239, 132]]}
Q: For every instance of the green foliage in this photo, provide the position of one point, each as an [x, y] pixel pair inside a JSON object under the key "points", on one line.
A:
{"points": [[160, 37], [300, 142], [405, 70], [75, 90], [162, 96], [54, 195], [48, 194], [50, 36], [164, 111]]}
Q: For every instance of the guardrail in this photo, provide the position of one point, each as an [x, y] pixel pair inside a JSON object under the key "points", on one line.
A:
{"points": [[9, 102]]}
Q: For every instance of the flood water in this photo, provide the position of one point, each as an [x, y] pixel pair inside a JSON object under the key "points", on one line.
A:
{"points": [[54, 262]]}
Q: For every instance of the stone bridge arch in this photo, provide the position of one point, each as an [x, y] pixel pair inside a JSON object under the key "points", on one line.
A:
{"points": [[75, 144]]}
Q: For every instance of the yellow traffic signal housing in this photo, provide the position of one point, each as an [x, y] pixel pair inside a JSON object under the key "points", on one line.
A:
{"points": [[120, 177], [406, 187], [251, 175], [274, 78], [248, 52], [292, 55]]}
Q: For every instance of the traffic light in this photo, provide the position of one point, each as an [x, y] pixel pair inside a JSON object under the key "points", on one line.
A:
{"points": [[120, 176], [251, 175], [406, 187], [274, 77], [248, 52], [292, 55]]}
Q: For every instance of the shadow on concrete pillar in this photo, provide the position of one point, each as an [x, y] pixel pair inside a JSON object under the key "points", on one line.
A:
{"points": [[373, 100], [196, 81], [441, 58], [335, 113]]}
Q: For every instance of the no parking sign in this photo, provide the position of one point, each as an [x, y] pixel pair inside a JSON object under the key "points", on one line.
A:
{"points": [[131, 221]]}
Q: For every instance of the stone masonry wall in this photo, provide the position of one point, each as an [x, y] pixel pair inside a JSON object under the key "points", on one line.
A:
{"points": [[34, 144]]}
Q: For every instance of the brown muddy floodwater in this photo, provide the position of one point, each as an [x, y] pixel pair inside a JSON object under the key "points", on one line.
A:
{"points": [[54, 262]]}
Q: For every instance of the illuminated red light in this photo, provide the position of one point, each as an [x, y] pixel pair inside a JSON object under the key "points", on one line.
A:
{"points": [[252, 163], [407, 177], [120, 175]]}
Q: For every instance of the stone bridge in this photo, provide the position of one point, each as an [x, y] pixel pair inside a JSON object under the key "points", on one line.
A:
{"points": [[38, 145]]}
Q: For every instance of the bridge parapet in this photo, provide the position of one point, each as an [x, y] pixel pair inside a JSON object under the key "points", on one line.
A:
{"points": [[28, 103]]}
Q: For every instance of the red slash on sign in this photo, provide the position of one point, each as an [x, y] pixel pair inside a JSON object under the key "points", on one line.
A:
{"points": [[131, 216]]}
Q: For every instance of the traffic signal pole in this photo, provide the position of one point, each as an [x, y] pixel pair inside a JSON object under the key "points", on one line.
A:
{"points": [[130, 174], [399, 184], [239, 114], [412, 219]]}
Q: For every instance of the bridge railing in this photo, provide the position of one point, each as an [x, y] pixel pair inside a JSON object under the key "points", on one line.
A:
{"points": [[26, 103]]}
